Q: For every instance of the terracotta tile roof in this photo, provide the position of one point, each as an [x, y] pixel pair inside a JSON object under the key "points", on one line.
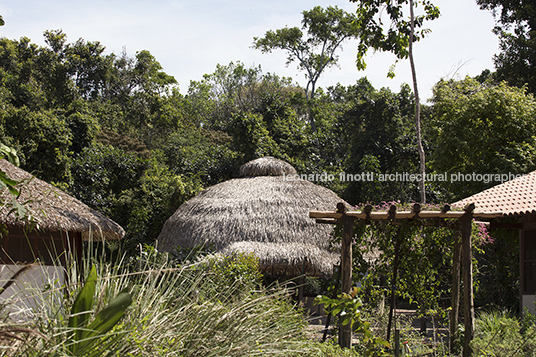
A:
{"points": [[517, 196]]}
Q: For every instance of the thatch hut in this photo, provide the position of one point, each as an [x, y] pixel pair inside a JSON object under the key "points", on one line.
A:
{"points": [[265, 212], [60, 222]]}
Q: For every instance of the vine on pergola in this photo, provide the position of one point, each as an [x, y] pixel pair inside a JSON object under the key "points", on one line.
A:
{"points": [[413, 255]]}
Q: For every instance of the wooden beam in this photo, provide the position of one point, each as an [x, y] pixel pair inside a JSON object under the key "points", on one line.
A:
{"points": [[324, 214], [326, 220], [468, 304], [465, 220], [302, 282], [504, 225], [404, 215], [521, 257]]}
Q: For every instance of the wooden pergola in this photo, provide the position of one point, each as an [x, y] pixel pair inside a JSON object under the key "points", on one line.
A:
{"points": [[462, 254]]}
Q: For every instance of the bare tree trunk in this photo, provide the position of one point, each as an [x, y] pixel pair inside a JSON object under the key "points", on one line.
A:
{"points": [[310, 116], [422, 157]]}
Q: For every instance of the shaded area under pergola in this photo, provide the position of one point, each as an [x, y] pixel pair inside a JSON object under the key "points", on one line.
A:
{"points": [[462, 254]]}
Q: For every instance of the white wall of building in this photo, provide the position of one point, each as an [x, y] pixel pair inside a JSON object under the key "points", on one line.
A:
{"points": [[36, 288]]}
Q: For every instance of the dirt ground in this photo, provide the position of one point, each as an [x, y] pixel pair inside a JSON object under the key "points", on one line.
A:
{"points": [[315, 328], [315, 331]]}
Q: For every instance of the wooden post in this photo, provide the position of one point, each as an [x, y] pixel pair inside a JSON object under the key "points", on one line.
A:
{"points": [[393, 284], [397, 343], [521, 263], [345, 331], [469, 309], [455, 301], [302, 283]]}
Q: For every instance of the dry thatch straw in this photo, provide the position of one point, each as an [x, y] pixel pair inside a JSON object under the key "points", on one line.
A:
{"points": [[53, 209], [266, 166], [264, 215]]}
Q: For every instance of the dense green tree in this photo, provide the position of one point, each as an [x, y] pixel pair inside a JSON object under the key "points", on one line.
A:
{"points": [[143, 209], [43, 116], [202, 154], [90, 123], [481, 129], [516, 28], [42, 140], [139, 90], [101, 173], [376, 135], [219, 95], [326, 30], [141, 74], [202, 109], [398, 39], [88, 67], [170, 115], [6, 183], [252, 138], [19, 83], [261, 113], [83, 124], [230, 89], [52, 70], [54, 76], [285, 126], [138, 193]]}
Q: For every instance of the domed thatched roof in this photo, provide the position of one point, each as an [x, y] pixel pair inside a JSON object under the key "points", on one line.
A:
{"points": [[53, 209], [266, 215], [266, 166]]}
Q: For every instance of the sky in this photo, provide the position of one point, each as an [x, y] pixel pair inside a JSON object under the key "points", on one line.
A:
{"points": [[189, 38]]}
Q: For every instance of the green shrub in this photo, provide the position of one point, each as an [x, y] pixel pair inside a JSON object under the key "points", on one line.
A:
{"points": [[499, 334], [330, 349], [240, 271], [314, 286]]}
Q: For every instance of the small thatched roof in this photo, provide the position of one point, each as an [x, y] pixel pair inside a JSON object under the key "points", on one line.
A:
{"points": [[266, 215], [266, 166], [53, 209]]}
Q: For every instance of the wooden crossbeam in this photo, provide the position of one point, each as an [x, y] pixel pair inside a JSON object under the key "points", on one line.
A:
{"points": [[403, 214]]}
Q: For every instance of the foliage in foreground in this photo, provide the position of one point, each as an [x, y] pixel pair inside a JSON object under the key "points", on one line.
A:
{"points": [[348, 308], [86, 336], [186, 310], [497, 333]]}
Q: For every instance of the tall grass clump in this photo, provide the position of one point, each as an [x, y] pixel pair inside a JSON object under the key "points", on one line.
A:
{"points": [[498, 333], [211, 306]]}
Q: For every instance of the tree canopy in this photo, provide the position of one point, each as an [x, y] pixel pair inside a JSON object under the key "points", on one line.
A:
{"points": [[483, 129], [326, 30], [395, 37], [516, 28]]}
